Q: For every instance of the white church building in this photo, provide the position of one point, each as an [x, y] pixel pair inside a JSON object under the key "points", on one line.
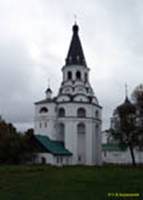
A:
{"points": [[68, 126], [112, 151]]}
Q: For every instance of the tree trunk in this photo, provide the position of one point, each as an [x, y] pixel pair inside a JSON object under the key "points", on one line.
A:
{"points": [[132, 155]]}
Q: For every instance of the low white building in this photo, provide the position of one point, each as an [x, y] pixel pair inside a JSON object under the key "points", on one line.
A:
{"points": [[115, 154], [68, 125]]}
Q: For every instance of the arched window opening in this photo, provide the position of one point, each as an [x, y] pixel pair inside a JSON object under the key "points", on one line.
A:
{"points": [[69, 75], [96, 114], [61, 112], [61, 135], [43, 110], [61, 128], [81, 128], [97, 126], [78, 75], [81, 143], [81, 112], [45, 124], [86, 77]]}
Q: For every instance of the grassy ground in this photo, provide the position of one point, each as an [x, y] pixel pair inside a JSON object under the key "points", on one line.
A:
{"points": [[70, 183]]}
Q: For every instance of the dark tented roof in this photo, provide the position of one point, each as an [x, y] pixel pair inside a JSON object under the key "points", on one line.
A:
{"points": [[54, 147], [75, 53], [126, 107]]}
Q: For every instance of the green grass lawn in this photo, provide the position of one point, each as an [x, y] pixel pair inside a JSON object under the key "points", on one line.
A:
{"points": [[71, 183]]}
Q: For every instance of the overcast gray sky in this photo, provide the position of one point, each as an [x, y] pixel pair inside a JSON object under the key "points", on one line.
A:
{"points": [[34, 40]]}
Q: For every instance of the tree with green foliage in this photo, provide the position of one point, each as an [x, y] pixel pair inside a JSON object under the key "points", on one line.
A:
{"points": [[126, 130], [127, 126], [14, 146], [137, 97]]}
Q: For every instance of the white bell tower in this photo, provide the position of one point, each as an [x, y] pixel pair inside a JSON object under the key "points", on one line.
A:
{"points": [[82, 112], [73, 117]]}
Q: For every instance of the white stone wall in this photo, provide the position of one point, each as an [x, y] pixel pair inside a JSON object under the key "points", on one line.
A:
{"points": [[121, 157], [47, 156], [49, 118], [70, 121], [98, 147], [72, 107], [74, 69], [53, 159], [71, 138], [81, 90]]}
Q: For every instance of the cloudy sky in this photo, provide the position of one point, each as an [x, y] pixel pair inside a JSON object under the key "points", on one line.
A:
{"points": [[34, 40]]}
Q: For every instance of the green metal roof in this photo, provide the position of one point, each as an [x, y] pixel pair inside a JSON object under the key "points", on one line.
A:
{"points": [[54, 147], [113, 147]]}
